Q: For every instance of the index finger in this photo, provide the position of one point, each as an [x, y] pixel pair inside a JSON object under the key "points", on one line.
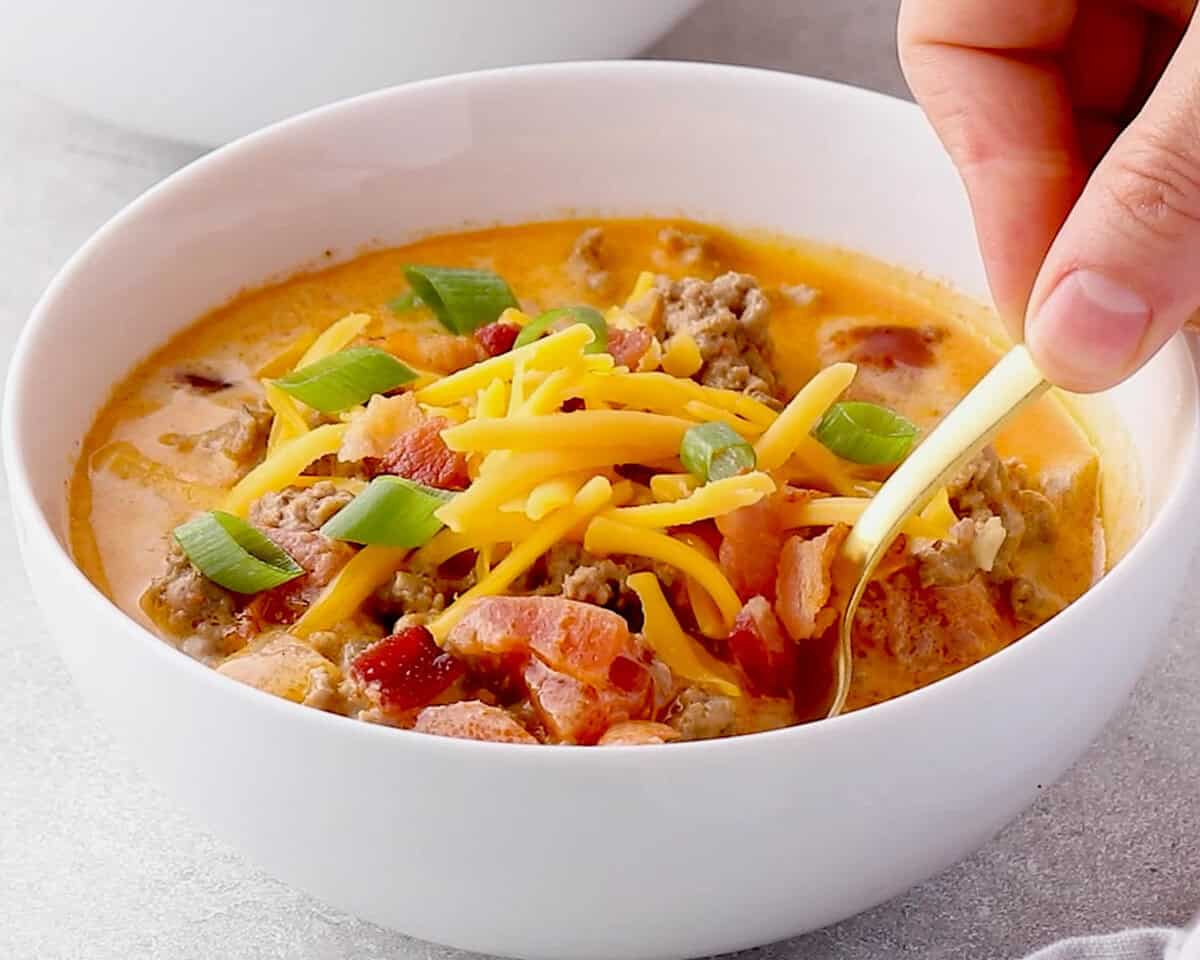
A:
{"points": [[986, 74]]}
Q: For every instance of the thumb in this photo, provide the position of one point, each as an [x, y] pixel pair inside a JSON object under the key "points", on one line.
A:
{"points": [[1123, 274]]}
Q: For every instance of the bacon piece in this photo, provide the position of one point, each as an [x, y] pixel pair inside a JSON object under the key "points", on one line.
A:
{"points": [[758, 646], [497, 338], [805, 583], [472, 720], [371, 433], [749, 553], [638, 732], [579, 639], [628, 346], [406, 670], [420, 454]]}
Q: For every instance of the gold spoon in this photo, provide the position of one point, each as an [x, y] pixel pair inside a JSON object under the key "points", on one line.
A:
{"points": [[1006, 389]]}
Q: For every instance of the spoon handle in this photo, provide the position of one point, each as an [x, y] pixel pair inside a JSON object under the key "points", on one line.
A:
{"points": [[1007, 388]]}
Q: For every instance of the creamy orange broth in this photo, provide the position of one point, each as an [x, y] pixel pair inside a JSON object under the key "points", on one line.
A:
{"points": [[123, 506]]}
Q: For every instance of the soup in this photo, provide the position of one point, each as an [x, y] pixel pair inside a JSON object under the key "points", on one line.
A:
{"points": [[575, 483]]}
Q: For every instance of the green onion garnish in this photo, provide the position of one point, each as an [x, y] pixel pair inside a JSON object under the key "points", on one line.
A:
{"points": [[714, 451], [564, 317], [232, 553], [391, 512], [343, 379], [865, 433], [405, 302], [464, 300]]}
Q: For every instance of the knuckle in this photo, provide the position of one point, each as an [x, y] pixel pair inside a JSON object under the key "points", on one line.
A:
{"points": [[1156, 189]]}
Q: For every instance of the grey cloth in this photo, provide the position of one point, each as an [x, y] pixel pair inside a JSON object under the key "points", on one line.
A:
{"points": [[1148, 944]]}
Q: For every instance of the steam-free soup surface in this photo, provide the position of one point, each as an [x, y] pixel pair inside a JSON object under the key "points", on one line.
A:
{"points": [[765, 316]]}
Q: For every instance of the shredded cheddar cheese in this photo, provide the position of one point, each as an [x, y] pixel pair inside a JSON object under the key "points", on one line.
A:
{"points": [[549, 353], [517, 318], [594, 496], [549, 495], [605, 536], [641, 435], [492, 401], [287, 358], [367, 571], [681, 358], [672, 486], [782, 437], [934, 522], [705, 412], [289, 423], [642, 286], [714, 499], [334, 338], [708, 617], [684, 655], [283, 466]]}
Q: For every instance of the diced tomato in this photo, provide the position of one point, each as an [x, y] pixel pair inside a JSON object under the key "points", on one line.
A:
{"points": [[749, 553], [626, 674], [577, 638], [406, 670], [420, 454], [758, 646], [497, 338], [577, 661], [629, 346], [576, 712]]}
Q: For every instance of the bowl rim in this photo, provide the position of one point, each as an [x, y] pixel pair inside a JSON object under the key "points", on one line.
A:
{"points": [[33, 520]]}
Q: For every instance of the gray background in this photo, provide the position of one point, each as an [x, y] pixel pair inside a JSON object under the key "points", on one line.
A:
{"points": [[95, 863]]}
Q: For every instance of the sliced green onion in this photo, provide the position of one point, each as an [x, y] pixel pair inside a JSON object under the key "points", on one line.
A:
{"points": [[346, 378], [405, 302], [714, 451], [464, 300], [865, 433], [560, 319], [232, 553], [391, 512]]}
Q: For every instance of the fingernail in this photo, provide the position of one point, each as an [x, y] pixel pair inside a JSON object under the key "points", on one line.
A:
{"points": [[1089, 330]]}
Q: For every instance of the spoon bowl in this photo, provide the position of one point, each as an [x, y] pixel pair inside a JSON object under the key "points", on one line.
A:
{"points": [[1011, 385]]}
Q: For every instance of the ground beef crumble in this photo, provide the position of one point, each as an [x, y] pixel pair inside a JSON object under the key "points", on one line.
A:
{"points": [[242, 438], [700, 715], [588, 261], [727, 317], [568, 570], [990, 489], [299, 508], [189, 606]]}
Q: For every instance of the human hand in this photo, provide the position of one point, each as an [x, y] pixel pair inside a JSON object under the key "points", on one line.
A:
{"points": [[1075, 125]]}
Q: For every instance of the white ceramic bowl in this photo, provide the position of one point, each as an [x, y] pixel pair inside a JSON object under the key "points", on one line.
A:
{"points": [[565, 852], [208, 72]]}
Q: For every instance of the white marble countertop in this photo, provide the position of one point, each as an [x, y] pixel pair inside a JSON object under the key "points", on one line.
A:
{"points": [[96, 865]]}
